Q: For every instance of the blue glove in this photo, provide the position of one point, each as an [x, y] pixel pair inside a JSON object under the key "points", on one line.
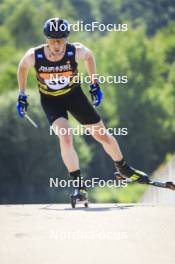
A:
{"points": [[22, 104], [96, 94]]}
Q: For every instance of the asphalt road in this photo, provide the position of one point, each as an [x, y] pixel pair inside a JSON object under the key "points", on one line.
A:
{"points": [[103, 233]]}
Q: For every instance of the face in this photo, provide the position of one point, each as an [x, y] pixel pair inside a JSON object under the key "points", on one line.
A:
{"points": [[57, 46]]}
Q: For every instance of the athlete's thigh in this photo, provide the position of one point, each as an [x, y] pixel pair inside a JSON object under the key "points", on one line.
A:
{"points": [[62, 127], [54, 108], [80, 107]]}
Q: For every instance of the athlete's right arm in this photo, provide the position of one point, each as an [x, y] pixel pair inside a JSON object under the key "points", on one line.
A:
{"points": [[27, 62]]}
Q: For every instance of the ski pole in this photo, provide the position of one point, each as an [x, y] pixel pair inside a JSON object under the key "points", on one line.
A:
{"points": [[31, 121]]}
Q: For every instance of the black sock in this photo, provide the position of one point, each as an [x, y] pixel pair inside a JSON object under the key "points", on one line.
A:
{"points": [[76, 175], [120, 163]]}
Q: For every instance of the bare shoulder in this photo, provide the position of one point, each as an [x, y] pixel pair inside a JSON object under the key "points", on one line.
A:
{"points": [[79, 46], [82, 52], [28, 60]]}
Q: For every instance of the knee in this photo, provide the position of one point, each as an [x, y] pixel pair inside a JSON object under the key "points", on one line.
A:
{"points": [[65, 141], [102, 138]]}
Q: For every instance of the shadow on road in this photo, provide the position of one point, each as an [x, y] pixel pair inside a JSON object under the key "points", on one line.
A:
{"points": [[95, 207]]}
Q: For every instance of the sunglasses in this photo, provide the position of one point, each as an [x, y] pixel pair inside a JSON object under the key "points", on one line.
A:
{"points": [[56, 41]]}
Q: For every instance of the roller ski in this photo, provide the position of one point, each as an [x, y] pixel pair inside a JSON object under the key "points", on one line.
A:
{"points": [[131, 175], [79, 196], [167, 185]]}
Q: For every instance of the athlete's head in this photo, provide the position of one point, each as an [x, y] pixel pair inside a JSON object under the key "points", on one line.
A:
{"points": [[56, 31]]}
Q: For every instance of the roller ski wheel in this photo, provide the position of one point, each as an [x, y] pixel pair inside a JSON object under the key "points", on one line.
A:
{"points": [[86, 205], [170, 185], [79, 196], [73, 201]]}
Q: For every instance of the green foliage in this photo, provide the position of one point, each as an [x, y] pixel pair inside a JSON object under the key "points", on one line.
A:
{"points": [[145, 105], [131, 194], [155, 14], [21, 25]]}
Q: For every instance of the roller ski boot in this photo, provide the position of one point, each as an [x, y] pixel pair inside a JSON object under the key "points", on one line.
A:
{"points": [[79, 196], [125, 172], [131, 175]]}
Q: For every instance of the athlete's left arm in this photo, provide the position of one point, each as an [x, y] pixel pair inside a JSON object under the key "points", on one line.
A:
{"points": [[85, 54]]}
